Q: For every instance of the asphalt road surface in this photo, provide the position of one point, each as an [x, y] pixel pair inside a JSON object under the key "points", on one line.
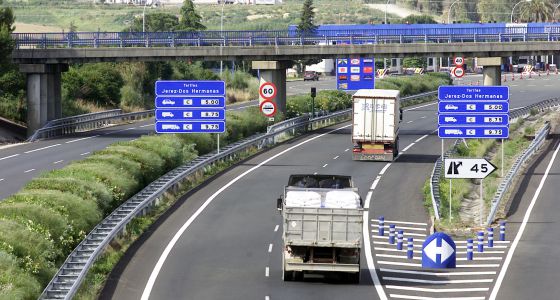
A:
{"points": [[225, 237]]}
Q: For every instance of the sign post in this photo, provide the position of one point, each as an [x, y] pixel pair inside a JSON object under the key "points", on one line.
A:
{"points": [[185, 106]]}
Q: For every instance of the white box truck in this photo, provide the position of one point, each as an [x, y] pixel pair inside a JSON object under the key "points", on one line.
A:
{"points": [[375, 130], [322, 227]]}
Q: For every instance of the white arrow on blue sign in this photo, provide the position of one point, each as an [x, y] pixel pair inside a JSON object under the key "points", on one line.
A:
{"points": [[439, 252]]}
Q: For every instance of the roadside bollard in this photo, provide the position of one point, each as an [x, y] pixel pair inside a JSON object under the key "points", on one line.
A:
{"points": [[502, 231], [400, 239], [470, 249], [381, 226], [490, 237], [391, 233], [481, 241], [410, 248]]}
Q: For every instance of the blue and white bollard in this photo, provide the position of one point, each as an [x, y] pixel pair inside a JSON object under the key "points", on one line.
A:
{"points": [[470, 249], [502, 231], [410, 248], [391, 233], [490, 237], [481, 241], [381, 226], [400, 236]]}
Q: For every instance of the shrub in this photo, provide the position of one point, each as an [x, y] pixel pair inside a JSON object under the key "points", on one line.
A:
{"points": [[34, 253], [14, 282], [85, 189], [165, 146], [97, 83], [203, 143], [152, 164]]}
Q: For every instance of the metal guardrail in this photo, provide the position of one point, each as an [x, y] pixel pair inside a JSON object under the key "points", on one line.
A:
{"points": [[273, 38], [71, 274], [514, 115], [86, 122]]}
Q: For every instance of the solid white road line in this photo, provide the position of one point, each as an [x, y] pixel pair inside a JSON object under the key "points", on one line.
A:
{"points": [[85, 153], [485, 247], [9, 156], [400, 271], [480, 258], [267, 272], [82, 139], [437, 281], [269, 248], [509, 256], [373, 186], [157, 268], [397, 256], [407, 147], [402, 227], [30, 170], [407, 233], [276, 228], [325, 165], [395, 249], [426, 290], [387, 243], [385, 168], [30, 151], [417, 107], [383, 262], [401, 222], [431, 298], [58, 161], [367, 247], [336, 157], [421, 138], [479, 266]]}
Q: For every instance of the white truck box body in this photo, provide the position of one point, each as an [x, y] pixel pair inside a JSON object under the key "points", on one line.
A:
{"points": [[376, 116]]}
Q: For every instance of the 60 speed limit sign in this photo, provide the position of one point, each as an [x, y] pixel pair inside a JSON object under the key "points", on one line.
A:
{"points": [[267, 90], [268, 108]]}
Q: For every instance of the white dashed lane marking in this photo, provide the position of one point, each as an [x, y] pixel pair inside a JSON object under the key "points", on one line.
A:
{"points": [[269, 248], [82, 139], [276, 228], [9, 156], [85, 153], [30, 170], [325, 165], [58, 161], [47, 147]]}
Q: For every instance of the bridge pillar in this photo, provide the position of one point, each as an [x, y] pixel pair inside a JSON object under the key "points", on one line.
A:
{"points": [[44, 96], [491, 72], [275, 72]]}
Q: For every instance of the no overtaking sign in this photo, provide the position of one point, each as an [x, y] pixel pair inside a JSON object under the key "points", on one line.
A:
{"points": [[268, 108]]}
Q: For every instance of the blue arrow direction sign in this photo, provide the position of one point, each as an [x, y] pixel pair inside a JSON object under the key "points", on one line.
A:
{"points": [[473, 119], [194, 101], [470, 93], [473, 132], [214, 114], [473, 107], [190, 127], [439, 251], [190, 88]]}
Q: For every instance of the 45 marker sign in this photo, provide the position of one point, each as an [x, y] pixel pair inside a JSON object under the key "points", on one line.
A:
{"points": [[267, 90]]}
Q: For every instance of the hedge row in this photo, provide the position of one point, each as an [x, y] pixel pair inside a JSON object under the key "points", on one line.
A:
{"points": [[48, 218]]}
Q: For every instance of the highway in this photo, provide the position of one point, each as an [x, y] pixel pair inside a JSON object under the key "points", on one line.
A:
{"points": [[21, 163], [533, 262], [222, 240]]}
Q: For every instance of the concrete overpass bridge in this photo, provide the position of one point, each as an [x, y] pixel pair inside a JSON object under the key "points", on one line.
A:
{"points": [[43, 57]]}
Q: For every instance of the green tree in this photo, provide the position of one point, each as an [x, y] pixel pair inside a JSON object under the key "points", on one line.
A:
{"points": [[189, 19], [494, 10], [536, 11], [96, 83], [307, 19], [419, 19], [159, 21]]}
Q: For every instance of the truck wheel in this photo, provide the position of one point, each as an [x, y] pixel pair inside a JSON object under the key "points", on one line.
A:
{"points": [[287, 276]]}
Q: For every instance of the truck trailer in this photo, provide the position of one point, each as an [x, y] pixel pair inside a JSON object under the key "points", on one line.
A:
{"points": [[375, 129], [322, 227]]}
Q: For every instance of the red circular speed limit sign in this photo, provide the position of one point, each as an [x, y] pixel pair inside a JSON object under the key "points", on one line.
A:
{"points": [[458, 72], [459, 61], [267, 91], [268, 108]]}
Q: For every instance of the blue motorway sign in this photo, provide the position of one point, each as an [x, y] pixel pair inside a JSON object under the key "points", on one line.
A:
{"points": [[474, 132], [473, 119], [355, 73], [188, 114], [190, 101], [190, 88], [190, 127], [470, 93], [473, 107], [439, 251]]}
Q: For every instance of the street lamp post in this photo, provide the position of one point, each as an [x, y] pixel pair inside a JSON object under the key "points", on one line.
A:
{"points": [[144, 16], [222, 34], [513, 9], [449, 13], [386, 6]]}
